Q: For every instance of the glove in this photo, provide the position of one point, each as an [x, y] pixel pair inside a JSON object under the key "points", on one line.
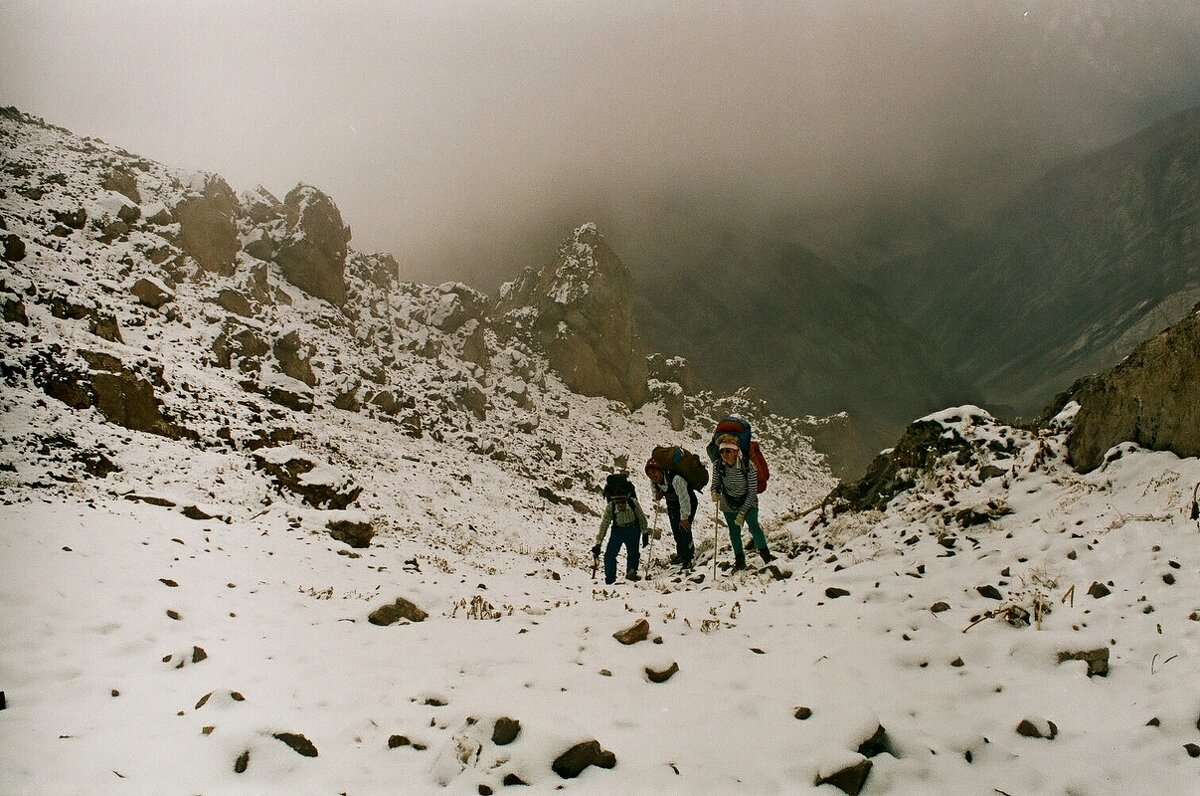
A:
{"points": [[645, 540], [685, 525], [740, 520], [716, 497], [595, 551]]}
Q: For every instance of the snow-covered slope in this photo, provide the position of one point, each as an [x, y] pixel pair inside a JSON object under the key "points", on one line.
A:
{"points": [[179, 617]]}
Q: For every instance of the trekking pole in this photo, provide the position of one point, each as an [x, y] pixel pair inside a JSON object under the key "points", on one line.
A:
{"points": [[716, 535], [650, 554], [595, 564]]}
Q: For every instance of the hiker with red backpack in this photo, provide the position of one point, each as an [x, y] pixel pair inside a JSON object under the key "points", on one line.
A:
{"points": [[739, 474], [628, 521]]}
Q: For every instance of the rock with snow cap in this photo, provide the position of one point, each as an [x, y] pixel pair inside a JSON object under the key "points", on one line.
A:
{"points": [[312, 253], [152, 292], [207, 224], [578, 308], [1152, 398]]}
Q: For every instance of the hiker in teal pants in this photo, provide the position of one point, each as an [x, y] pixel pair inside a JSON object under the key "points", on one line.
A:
{"points": [[735, 489]]}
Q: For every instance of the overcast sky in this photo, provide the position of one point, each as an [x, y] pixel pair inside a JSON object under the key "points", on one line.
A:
{"points": [[444, 129]]}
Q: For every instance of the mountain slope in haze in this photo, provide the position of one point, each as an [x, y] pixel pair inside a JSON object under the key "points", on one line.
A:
{"points": [[1070, 275], [159, 300], [253, 540], [779, 317]]}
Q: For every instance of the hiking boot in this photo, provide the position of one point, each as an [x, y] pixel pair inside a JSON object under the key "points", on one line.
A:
{"points": [[631, 575], [685, 564], [765, 554], [739, 562]]}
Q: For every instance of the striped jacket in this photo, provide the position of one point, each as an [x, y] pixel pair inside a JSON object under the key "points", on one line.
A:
{"points": [[737, 485]]}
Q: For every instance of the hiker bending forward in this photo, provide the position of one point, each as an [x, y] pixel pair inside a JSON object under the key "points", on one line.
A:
{"points": [[735, 489], [628, 522], [681, 509]]}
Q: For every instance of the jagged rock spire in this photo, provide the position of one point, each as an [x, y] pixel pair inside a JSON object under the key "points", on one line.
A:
{"points": [[579, 309]]}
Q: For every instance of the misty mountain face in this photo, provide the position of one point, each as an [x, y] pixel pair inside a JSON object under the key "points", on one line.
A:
{"points": [[777, 316], [1099, 254]]}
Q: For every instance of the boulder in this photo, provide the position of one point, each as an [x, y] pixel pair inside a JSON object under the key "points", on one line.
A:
{"points": [[127, 399], [1097, 660], [260, 246], [122, 181], [12, 308], [355, 533], [849, 779], [505, 731], [312, 253], [152, 292], [876, 743], [207, 228], [1038, 728], [239, 343], [636, 632], [660, 675], [286, 391], [1152, 398], [395, 611], [456, 304], [317, 484], [104, 325], [72, 219], [571, 763], [892, 472], [295, 357], [380, 269], [261, 206], [233, 301], [298, 743], [258, 284], [14, 248]]}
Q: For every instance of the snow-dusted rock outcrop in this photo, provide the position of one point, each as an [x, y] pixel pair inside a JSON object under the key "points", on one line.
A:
{"points": [[1152, 398], [312, 251], [578, 308]]}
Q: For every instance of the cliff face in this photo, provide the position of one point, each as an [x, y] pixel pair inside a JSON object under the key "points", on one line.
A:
{"points": [[578, 309], [1151, 398]]}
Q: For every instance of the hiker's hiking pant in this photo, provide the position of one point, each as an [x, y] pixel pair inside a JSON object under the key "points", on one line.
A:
{"points": [[735, 533], [618, 537], [684, 549]]}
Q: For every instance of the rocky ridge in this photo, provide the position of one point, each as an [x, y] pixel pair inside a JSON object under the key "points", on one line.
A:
{"points": [[151, 300]]}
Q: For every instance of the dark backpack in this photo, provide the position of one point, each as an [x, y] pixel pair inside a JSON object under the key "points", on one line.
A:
{"points": [[618, 485], [674, 459], [620, 492], [751, 452]]}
